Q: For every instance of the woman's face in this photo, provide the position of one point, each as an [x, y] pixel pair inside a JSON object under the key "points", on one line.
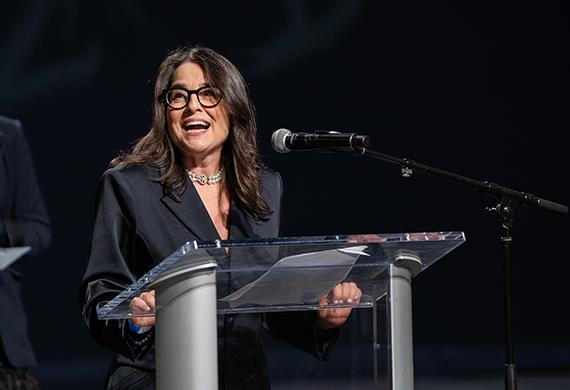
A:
{"points": [[198, 132]]}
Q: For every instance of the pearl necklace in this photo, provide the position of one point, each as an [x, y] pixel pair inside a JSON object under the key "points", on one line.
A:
{"points": [[203, 179]]}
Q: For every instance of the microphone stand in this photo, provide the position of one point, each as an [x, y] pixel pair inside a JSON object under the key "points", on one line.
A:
{"points": [[508, 205]]}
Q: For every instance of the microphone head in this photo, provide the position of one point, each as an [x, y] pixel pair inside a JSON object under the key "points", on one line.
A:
{"points": [[278, 140]]}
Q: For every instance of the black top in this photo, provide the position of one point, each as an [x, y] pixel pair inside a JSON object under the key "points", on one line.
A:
{"points": [[137, 225]]}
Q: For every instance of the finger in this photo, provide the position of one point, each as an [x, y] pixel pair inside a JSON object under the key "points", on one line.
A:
{"points": [[346, 294], [349, 292], [357, 295], [343, 290], [337, 294], [355, 292], [352, 288], [149, 299], [139, 305]]}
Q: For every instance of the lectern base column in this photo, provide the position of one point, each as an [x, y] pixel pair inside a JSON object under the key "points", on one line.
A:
{"points": [[186, 332], [400, 343]]}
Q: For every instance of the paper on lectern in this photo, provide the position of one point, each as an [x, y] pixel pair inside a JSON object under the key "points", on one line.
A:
{"points": [[298, 279]]}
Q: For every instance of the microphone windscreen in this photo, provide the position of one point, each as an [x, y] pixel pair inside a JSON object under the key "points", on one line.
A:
{"points": [[278, 140]]}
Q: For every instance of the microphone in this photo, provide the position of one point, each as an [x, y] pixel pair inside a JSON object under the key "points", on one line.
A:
{"points": [[284, 141]]}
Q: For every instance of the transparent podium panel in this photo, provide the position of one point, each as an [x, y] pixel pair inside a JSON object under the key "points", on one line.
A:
{"points": [[294, 273], [287, 281], [359, 359]]}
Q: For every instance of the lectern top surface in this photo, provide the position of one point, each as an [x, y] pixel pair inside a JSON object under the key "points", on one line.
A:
{"points": [[290, 273]]}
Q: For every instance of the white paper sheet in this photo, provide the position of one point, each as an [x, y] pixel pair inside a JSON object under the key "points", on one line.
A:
{"points": [[298, 279]]}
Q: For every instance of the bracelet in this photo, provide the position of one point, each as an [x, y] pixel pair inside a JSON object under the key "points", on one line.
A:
{"points": [[138, 343]]}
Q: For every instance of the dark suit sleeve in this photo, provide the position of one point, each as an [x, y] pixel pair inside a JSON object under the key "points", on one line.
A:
{"points": [[27, 223], [115, 248], [300, 329]]}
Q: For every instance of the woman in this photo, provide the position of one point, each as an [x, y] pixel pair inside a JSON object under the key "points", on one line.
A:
{"points": [[195, 175]]}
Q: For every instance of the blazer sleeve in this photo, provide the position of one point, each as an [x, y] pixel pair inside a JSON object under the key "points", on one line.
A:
{"points": [[299, 328], [115, 248], [27, 222]]}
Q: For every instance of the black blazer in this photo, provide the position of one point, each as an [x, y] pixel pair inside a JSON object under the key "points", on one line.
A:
{"points": [[137, 225], [23, 222]]}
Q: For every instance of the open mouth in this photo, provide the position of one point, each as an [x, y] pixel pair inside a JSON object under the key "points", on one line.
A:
{"points": [[195, 125]]}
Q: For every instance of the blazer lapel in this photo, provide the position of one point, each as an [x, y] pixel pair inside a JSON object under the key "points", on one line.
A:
{"points": [[193, 214]]}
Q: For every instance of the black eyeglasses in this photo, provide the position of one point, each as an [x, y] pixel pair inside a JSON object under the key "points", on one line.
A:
{"points": [[178, 98]]}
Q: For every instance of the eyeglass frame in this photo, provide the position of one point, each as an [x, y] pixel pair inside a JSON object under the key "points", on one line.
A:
{"points": [[190, 92]]}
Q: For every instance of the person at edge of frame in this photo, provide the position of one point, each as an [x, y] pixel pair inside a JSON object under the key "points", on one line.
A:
{"points": [[23, 222]]}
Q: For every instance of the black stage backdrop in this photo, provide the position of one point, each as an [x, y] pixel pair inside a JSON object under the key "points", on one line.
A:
{"points": [[479, 89]]}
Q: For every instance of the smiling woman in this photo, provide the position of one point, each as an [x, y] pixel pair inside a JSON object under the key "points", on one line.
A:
{"points": [[179, 109], [196, 175]]}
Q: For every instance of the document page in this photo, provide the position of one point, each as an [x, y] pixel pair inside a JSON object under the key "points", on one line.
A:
{"points": [[298, 279]]}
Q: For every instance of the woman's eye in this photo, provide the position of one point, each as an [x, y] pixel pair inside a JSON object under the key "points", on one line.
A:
{"points": [[177, 96]]}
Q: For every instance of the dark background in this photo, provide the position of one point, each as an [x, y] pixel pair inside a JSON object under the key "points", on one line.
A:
{"points": [[479, 89]]}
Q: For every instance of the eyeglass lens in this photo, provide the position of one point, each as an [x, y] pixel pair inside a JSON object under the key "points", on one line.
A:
{"points": [[207, 96]]}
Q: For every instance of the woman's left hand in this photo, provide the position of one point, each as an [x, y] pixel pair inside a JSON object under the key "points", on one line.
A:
{"points": [[345, 292]]}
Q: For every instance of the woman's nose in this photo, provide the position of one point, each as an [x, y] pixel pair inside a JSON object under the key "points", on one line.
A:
{"points": [[193, 102]]}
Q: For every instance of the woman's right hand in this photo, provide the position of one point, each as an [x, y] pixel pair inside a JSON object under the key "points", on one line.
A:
{"points": [[144, 303]]}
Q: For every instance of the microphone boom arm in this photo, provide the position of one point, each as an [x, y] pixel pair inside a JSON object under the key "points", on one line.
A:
{"points": [[408, 166]]}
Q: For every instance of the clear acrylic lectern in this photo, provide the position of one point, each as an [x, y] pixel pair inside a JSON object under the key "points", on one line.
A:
{"points": [[204, 278]]}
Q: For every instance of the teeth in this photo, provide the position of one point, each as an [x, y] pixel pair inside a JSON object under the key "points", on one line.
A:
{"points": [[197, 123]]}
